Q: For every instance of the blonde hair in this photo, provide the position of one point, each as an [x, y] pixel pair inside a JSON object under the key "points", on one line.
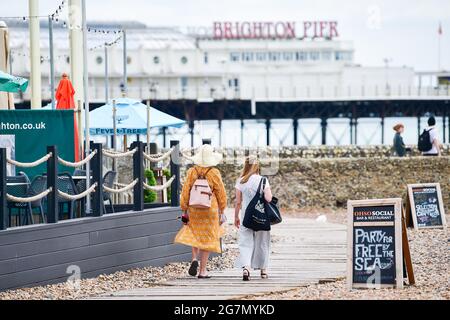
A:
{"points": [[251, 167]]}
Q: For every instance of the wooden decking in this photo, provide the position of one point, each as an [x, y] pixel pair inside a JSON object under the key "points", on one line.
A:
{"points": [[304, 252]]}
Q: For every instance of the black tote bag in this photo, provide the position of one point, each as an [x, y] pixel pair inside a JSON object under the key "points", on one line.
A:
{"points": [[255, 216]]}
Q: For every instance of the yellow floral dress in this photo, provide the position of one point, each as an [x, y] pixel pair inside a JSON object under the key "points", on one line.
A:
{"points": [[203, 230]]}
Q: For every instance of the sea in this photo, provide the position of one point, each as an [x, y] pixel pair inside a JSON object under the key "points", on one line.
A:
{"points": [[309, 132]]}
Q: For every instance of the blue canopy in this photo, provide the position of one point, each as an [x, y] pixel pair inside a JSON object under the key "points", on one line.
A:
{"points": [[131, 118]]}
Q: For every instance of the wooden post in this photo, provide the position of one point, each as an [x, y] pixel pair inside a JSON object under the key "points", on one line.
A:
{"points": [[4, 220], [175, 170], [406, 252], [52, 178], [138, 173], [97, 175]]}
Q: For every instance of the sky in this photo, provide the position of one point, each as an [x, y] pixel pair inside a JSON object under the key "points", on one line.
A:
{"points": [[403, 31]]}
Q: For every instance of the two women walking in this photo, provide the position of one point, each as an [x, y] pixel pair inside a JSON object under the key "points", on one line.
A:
{"points": [[203, 227]]}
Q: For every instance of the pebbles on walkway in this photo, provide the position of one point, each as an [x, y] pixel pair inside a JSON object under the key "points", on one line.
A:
{"points": [[430, 258], [123, 280]]}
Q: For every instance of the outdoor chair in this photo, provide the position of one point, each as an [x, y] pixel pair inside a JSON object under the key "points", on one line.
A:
{"points": [[66, 184], [108, 180], [38, 185], [20, 190]]}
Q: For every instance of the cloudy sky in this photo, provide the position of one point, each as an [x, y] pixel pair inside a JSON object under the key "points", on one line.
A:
{"points": [[405, 31]]}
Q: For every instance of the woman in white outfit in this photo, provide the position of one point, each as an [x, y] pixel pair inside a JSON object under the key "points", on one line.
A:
{"points": [[254, 246]]}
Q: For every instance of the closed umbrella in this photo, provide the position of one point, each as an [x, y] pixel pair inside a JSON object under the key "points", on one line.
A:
{"points": [[64, 96]]}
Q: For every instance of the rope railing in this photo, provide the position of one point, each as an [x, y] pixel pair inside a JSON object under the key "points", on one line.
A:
{"points": [[124, 189], [79, 163], [161, 187], [158, 157], [79, 195], [28, 199], [119, 154], [30, 164]]}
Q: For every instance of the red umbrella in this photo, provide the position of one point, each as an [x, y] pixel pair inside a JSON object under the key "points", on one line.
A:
{"points": [[64, 96]]}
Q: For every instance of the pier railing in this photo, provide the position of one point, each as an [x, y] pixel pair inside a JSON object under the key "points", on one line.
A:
{"points": [[267, 93]]}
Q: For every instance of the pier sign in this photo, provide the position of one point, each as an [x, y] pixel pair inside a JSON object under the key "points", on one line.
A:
{"points": [[374, 247], [425, 206], [274, 30]]}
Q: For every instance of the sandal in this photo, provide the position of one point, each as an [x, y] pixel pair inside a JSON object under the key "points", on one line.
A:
{"points": [[245, 277], [193, 268], [264, 275], [204, 277]]}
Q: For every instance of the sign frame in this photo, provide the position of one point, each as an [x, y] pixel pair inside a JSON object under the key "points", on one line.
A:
{"points": [[398, 245], [411, 208]]}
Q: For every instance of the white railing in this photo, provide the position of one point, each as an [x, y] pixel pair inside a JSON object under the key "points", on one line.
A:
{"points": [[268, 93]]}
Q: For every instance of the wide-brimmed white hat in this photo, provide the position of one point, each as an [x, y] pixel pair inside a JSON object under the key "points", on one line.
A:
{"points": [[206, 157]]}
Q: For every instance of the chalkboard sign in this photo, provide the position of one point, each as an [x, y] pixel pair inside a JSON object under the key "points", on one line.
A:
{"points": [[375, 258], [425, 205]]}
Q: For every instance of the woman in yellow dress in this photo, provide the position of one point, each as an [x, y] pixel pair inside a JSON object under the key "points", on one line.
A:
{"points": [[204, 227]]}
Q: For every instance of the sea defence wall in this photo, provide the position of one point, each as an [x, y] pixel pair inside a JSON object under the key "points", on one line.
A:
{"points": [[326, 177]]}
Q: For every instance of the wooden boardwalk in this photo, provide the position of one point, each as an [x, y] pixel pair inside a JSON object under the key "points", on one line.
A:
{"points": [[304, 252]]}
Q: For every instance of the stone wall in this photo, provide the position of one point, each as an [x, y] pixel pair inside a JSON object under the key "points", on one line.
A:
{"points": [[325, 176], [302, 183]]}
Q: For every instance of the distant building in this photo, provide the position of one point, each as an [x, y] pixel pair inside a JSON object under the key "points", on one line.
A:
{"points": [[231, 61]]}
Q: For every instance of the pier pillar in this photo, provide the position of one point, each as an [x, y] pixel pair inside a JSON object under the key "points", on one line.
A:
{"points": [[444, 128], [242, 132], [355, 123], [382, 130], [351, 130], [220, 132], [35, 54], [418, 125], [191, 131], [268, 123], [324, 124], [295, 129]]}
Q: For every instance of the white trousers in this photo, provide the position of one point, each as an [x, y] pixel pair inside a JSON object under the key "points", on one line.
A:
{"points": [[254, 248]]}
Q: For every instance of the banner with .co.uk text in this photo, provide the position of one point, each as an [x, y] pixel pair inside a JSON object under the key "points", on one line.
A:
{"points": [[31, 131]]}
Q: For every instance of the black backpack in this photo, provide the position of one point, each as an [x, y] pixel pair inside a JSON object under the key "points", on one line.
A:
{"points": [[424, 143]]}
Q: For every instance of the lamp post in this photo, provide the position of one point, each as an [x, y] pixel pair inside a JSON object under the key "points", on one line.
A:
{"points": [[35, 54], [52, 61], [86, 103]]}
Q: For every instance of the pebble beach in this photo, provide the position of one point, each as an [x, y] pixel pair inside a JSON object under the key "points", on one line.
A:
{"points": [[429, 250]]}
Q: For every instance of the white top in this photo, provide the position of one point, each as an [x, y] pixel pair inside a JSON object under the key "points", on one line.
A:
{"points": [[249, 189], [433, 136]]}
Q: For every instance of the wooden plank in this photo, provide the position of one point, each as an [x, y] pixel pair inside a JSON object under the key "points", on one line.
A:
{"points": [[134, 231], [42, 246], [292, 264], [81, 225], [88, 266]]}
